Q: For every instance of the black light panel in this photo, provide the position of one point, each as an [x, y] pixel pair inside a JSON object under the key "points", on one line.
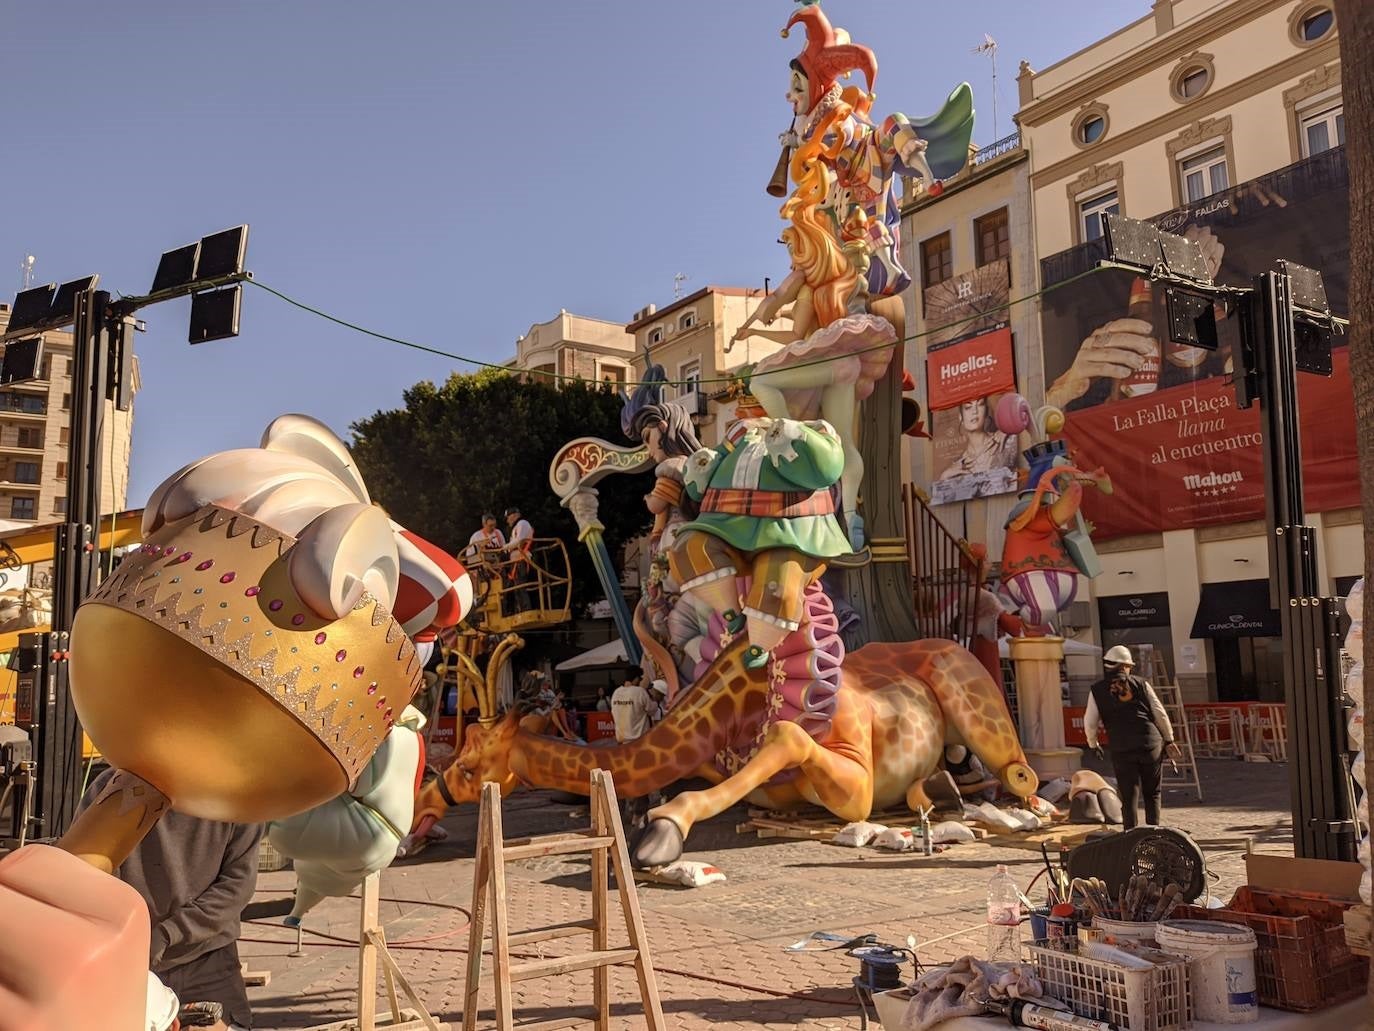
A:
{"points": [[1306, 286], [221, 254], [1183, 257], [215, 314], [21, 360], [31, 307], [1312, 347], [176, 268], [1191, 319], [1131, 241], [64, 302]]}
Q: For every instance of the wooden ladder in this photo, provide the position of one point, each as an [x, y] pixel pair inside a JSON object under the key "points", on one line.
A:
{"points": [[1171, 697], [605, 841]]}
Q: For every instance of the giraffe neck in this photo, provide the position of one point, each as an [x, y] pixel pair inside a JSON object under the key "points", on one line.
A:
{"points": [[723, 707]]}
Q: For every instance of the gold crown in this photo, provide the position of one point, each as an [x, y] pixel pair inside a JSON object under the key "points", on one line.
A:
{"points": [[738, 392], [218, 581]]}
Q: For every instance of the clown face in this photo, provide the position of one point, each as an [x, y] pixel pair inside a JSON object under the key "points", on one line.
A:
{"points": [[799, 93]]}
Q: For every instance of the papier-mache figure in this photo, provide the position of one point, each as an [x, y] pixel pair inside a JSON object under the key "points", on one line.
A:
{"points": [[766, 512], [1048, 544]]}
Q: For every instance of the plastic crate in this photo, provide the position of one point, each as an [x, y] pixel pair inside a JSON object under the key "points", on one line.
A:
{"points": [[1302, 960], [269, 859], [1141, 1000]]}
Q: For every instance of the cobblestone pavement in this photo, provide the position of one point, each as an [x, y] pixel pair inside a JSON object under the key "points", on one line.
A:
{"points": [[718, 950]]}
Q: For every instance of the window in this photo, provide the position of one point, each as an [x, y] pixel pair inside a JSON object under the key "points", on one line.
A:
{"points": [[1311, 23], [69, 366], [30, 436], [687, 320], [29, 404], [689, 375], [656, 335], [66, 402], [1322, 130], [1203, 174], [59, 506], [63, 434], [1191, 81], [992, 237], [61, 470], [22, 508], [1092, 129], [25, 472], [1091, 213], [937, 260], [47, 367]]}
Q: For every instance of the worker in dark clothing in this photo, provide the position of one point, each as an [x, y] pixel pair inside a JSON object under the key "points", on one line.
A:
{"points": [[196, 876], [1138, 731]]}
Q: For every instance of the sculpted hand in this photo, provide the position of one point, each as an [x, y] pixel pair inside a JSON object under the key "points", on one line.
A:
{"points": [[69, 934], [1113, 351]]}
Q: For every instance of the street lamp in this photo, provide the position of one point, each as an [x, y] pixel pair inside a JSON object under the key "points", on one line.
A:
{"points": [[1283, 325]]}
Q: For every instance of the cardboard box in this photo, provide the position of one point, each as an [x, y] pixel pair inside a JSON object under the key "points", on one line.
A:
{"points": [[1284, 874]]}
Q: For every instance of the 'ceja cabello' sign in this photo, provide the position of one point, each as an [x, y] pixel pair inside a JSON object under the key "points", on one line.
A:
{"points": [[970, 369]]}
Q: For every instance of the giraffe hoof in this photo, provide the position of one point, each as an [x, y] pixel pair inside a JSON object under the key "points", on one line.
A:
{"points": [[660, 844], [1020, 779]]}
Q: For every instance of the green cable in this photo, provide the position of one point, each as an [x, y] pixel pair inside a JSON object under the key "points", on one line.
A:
{"points": [[634, 383]]}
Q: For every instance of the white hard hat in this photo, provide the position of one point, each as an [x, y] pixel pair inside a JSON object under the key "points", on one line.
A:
{"points": [[1118, 655]]}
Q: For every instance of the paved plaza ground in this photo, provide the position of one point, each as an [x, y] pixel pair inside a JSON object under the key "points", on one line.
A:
{"points": [[718, 950]]}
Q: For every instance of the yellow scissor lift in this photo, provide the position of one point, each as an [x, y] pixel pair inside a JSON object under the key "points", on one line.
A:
{"points": [[35, 544], [500, 610]]}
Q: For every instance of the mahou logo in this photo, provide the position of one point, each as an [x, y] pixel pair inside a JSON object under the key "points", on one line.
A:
{"points": [[973, 363], [1213, 484]]}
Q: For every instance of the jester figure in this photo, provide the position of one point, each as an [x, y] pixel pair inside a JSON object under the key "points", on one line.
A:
{"points": [[1048, 545], [865, 157], [767, 513]]}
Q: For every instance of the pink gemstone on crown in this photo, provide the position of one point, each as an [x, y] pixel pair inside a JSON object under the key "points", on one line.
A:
{"points": [[320, 637], [275, 605], [297, 619], [357, 672], [205, 565], [252, 592], [340, 655], [227, 578]]}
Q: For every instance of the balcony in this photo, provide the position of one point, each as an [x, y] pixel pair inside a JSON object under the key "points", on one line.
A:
{"points": [[692, 399], [1006, 145], [13, 447], [18, 485], [30, 405]]}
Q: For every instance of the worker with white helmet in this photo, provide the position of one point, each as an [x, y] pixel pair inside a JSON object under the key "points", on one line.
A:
{"points": [[1138, 733]]}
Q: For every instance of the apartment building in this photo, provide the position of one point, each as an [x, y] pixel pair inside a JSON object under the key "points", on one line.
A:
{"points": [[692, 339], [1221, 120], [575, 345], [35, 421], [970, 250]]}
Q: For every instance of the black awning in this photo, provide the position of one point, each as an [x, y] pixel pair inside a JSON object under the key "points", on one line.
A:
{"points": [[1238, 608]]}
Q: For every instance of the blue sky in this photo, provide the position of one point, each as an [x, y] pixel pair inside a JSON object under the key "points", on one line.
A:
{"points": [[443, 172]]}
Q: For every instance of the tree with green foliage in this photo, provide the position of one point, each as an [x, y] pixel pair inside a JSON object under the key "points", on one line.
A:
{"points": [[482, 443]]}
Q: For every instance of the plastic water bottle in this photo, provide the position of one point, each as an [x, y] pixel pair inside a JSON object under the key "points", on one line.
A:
{"points": [[1004, 918]]}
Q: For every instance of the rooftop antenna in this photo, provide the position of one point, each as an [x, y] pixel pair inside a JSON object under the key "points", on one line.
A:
{"points": [[989, 47], [26, 268], [678, 280]]}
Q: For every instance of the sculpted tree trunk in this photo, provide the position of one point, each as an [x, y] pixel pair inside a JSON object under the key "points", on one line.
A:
{"points": [[880, 592], [1356, 21]]}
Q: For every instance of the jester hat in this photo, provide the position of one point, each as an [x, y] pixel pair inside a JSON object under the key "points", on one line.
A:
{"points": [[828, 53]]}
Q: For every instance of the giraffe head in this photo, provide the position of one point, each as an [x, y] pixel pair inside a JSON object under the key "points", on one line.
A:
{"points": [[485, 757]]}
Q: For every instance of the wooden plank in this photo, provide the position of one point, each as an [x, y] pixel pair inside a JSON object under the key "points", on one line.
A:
{"points": [[255, 978], [555, 965], [601, 897], [500, 920], [367, 953], [552, 1024], [544, 934], [1357, 923], [410, 1021], [555, 846]]}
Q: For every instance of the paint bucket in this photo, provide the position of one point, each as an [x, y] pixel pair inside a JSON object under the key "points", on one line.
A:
{"points": [[1125, 930], [1221, 967], [1037, 922]]}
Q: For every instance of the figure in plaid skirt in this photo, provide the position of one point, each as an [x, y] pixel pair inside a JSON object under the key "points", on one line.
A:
{"points": [[766, 512]]}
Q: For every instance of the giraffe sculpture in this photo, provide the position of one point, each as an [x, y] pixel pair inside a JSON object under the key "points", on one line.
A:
{"points": [[896, 708]]}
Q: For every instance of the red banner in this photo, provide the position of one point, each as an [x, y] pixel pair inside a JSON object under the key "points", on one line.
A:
{"points": [[1187, 456], [970, 369]]}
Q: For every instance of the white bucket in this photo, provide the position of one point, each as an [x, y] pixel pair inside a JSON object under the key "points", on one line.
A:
{"points": [[1221, 967], [1126, 930]]}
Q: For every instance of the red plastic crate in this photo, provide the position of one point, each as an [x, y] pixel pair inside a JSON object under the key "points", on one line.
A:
{"points": [[1302, 961]]}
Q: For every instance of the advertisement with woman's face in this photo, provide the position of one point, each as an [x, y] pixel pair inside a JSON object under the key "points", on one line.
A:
{"points": [[973, 459]]}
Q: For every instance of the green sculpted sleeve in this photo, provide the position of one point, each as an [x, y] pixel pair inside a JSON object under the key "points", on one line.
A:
{"points": [[808, 454]]}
